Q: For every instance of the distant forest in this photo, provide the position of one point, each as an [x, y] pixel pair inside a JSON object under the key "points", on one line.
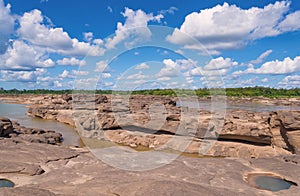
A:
{"points": [[231, 92]]}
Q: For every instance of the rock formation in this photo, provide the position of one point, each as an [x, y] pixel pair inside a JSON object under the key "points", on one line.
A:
{"points": [[243, 133]]}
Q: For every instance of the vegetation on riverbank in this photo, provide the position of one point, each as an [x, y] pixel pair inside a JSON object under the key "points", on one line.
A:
{"points": [[231, 92]]}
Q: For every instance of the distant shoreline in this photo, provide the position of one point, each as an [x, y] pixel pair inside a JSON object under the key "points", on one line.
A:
{"points": [[204, 92]]}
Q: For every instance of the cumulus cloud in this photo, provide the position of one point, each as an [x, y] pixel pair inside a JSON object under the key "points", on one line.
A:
{"points": [[171, 69], [134, 19], [142, 66], [215, 67], [65, 74], [33, 29], [285, 66], [220, 63], [102, 66], [230, 27], [71, 61], [88, 36], [176, 68], [6, 26], [291, 81], [21, 56], [106, 75], [21, 76], [291, 22], [73, 73]]}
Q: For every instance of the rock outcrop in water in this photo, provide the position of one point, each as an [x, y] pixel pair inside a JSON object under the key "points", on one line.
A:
{"points": [[243, 133], [9, 129]]}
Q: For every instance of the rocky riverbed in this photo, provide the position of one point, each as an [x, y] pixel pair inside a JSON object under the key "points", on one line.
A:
{"points": [[151, 121], [249, 142]]}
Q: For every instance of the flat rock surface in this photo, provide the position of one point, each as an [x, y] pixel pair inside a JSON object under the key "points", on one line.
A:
{"points": [[68, 171]]}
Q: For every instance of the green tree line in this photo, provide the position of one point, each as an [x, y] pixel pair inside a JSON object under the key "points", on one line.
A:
{"points": [[204, 92]]}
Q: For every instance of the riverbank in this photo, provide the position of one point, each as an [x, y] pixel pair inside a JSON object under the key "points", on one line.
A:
{"points": [[44, 169], [18, 112], [236, 130], [249, 142]]}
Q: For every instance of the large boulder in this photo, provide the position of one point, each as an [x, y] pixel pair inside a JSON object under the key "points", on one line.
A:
{"points": [[6, 127]]}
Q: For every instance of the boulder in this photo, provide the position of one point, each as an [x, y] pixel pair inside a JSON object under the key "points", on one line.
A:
{"points": [[6, 127]]}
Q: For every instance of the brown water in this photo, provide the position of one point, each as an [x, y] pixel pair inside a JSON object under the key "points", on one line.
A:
{"points": [[18, 112]]}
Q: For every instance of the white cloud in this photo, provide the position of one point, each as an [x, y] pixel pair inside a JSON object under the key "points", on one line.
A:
{"points": [[220, 63], [142, 66], [291, 81], [106, 75], [262, 57], [73, 73], [71, 61], [134, 20], [6, 26], [137, 76], [66, 74], [229, 27], [32, 29], [215, 67], [80, 73], [291, 22], [179, 52], [57, 84], [249, 82], [21, 56], [102, 66], [171, 69], [98, 42], [55, 40], [88, 36], [21, 76], [265, 80], [178, 68], [286, 66], [199, 71]]}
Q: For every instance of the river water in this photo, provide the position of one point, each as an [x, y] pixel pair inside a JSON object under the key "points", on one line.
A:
{"points": [[17, 112]]}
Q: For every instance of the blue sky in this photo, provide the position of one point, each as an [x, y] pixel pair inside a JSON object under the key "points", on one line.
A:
{"points": [[111, 44]]}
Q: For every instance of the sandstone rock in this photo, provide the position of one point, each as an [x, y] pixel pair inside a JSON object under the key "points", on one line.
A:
{"points": [[6, 127], [105, 112], [25, 191]]}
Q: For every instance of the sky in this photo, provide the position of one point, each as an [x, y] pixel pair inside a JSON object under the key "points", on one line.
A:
{"points": [[130, 44]]}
